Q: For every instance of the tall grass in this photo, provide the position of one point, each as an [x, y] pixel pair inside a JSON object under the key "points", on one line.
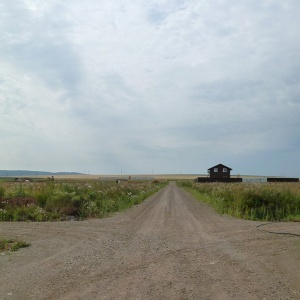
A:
{"points": [[60, 200], [253, 201]]}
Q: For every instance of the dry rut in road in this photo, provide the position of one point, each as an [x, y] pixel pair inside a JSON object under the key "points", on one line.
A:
{"points": [[169, 247]]}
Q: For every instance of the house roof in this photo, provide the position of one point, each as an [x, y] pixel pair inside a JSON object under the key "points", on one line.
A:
{"points": [[220, 165]]}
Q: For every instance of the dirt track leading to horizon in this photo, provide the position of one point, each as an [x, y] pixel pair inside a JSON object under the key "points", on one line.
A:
{"points": [[169, 247]]}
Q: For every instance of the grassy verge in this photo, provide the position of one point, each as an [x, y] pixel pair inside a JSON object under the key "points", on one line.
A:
{"points": [[261, 201], [11, 245], [62, 200]]}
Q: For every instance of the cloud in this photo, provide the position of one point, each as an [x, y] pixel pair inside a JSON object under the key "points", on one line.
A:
{"points": [[162, 85]]}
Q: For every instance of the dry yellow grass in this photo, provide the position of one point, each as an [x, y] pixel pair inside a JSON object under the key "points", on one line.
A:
{"points": [[126, 176], [142, 176]]}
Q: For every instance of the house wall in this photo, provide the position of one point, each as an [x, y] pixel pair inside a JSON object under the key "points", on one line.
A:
{"points": [[220, 173]]}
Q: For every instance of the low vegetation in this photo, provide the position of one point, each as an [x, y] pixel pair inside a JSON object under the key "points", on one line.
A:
{"points": [[63, 200], [12, 245], [252, 201]]}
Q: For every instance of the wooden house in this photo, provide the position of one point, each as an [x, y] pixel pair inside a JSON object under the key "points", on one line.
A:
{"points": [[219, 172]]}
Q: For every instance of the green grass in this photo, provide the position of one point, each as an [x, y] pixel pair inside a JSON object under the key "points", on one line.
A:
{"points": [[253, 201], [58, 200], [12, 245]]}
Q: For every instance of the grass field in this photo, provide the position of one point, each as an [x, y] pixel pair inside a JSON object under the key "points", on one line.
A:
{"points": [[254, 201], [70, 198]]}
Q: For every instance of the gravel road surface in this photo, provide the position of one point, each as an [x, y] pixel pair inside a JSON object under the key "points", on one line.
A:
{"points": [[169, 247]]}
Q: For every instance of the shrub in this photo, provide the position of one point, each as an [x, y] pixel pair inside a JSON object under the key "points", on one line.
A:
{"points": [[63, 203], [2, 192]]}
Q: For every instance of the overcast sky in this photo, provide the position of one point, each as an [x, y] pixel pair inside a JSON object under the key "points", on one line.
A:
{"points": [[157, 86]]}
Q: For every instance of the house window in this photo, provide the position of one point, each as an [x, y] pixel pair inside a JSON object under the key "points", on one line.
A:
{"points": [[215, 170], [224, 170]]}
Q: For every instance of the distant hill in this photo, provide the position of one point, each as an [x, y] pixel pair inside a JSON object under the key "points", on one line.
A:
{"points": [[16, 173]]}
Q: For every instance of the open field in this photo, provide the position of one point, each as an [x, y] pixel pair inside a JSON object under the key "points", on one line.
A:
{"points": [[253, 201], [52, 200], [169, 247], [119, 176], [82, 196], [134, 176]]}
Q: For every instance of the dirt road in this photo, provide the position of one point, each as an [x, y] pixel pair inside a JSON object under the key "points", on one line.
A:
{"points": [[169, 247]]}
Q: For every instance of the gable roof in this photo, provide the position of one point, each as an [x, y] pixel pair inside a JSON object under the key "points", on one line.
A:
{"points": [[220, 165]]}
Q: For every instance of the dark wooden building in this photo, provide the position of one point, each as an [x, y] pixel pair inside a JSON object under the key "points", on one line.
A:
{"points": [[219, 172]]}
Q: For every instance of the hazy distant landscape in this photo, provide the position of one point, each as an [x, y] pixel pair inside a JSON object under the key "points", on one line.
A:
{"points": [[9, 173], [77, 175]]}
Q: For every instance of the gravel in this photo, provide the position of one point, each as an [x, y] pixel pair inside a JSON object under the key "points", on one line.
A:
{"points": [[168, 247]]}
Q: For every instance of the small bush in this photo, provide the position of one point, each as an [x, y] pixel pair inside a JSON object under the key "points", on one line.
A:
{"points": [[2, 192], [41, 199], [11, 245]]}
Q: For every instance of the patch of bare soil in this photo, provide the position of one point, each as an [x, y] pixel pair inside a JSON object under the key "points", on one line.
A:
{"points": [[169, 247], [18, 201]]}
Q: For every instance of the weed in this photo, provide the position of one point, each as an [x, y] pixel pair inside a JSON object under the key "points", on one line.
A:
{"points": [[11, 245], [56, 200], [260, 201], [2, 192]]}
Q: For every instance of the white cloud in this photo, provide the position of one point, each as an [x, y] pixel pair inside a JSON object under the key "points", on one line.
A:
{"points": [[98, 85]]}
